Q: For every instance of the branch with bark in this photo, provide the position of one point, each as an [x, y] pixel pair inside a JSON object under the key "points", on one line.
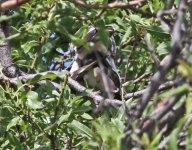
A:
{"points": [[95, 96], [115, 4], [10, 4], [5, 49], [162, 87], [72, 83], [166, 64]]}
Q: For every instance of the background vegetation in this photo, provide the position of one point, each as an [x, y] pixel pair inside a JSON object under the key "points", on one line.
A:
{"points": [[41, 107]]}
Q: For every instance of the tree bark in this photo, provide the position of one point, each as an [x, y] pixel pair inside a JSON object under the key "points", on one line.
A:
{"points": [[5, 49]]}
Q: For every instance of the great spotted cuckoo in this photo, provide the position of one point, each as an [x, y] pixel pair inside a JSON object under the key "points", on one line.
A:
{"points": [[95, 64]]}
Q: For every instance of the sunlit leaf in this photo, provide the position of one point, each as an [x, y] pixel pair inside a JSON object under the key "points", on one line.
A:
{"points": [[33, 100], [13, 122], [185, 69], [79, 127]]}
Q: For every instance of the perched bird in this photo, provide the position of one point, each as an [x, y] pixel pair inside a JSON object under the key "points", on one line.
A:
{"points": [[96, 65]]}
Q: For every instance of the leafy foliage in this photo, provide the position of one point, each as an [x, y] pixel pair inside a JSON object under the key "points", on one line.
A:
{"points": [[39, 116]]}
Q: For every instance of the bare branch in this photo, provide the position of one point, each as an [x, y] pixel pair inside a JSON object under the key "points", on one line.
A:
{"points": [[115, 4], [158, 114], [93, 95], [168, 62], [146, 74], [72, 83], [165, 117], [162, 13], [162, 87], [10, 4], [169, 121], [184, 133]]}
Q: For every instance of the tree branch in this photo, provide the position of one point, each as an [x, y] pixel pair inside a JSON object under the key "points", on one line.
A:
{"points": [[168, 62], [182, 139], [115, 4], [10, 4], [162, 87], [151, 50], [72, 83], [5, 49]]}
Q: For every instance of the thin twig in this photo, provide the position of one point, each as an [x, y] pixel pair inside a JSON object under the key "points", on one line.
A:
{"points": [[162, 13], [162, 87], [128, 60], [146, 74], [151, 50]]}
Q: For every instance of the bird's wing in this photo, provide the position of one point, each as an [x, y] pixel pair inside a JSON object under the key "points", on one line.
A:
{"points": [[82, 70], [112, 71]]}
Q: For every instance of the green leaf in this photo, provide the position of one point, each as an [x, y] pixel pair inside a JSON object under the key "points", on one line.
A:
{"points": [[13, 122], [62, 74], [6, 17], [64, 118], [48, 75], [76, 40], [145, 139], [188, 105], [126, 36], [121, 22], [185, 69], [104, 36], [159, 30], [163, 48], [56, 93], [29, 45], [5, 144], [13, 36], [49, 100], [40, 77], [179, 89], [87, 116], [135, 18], [79, 127], [15, 141], [82, 109], [33, 100], [47, 47], [172, 143]]}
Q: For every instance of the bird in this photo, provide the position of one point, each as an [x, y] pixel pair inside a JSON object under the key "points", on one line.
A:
{"points": [[96, 64]]}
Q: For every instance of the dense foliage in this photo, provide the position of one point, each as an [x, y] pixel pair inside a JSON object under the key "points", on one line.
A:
{"points": [[40, 114]]}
